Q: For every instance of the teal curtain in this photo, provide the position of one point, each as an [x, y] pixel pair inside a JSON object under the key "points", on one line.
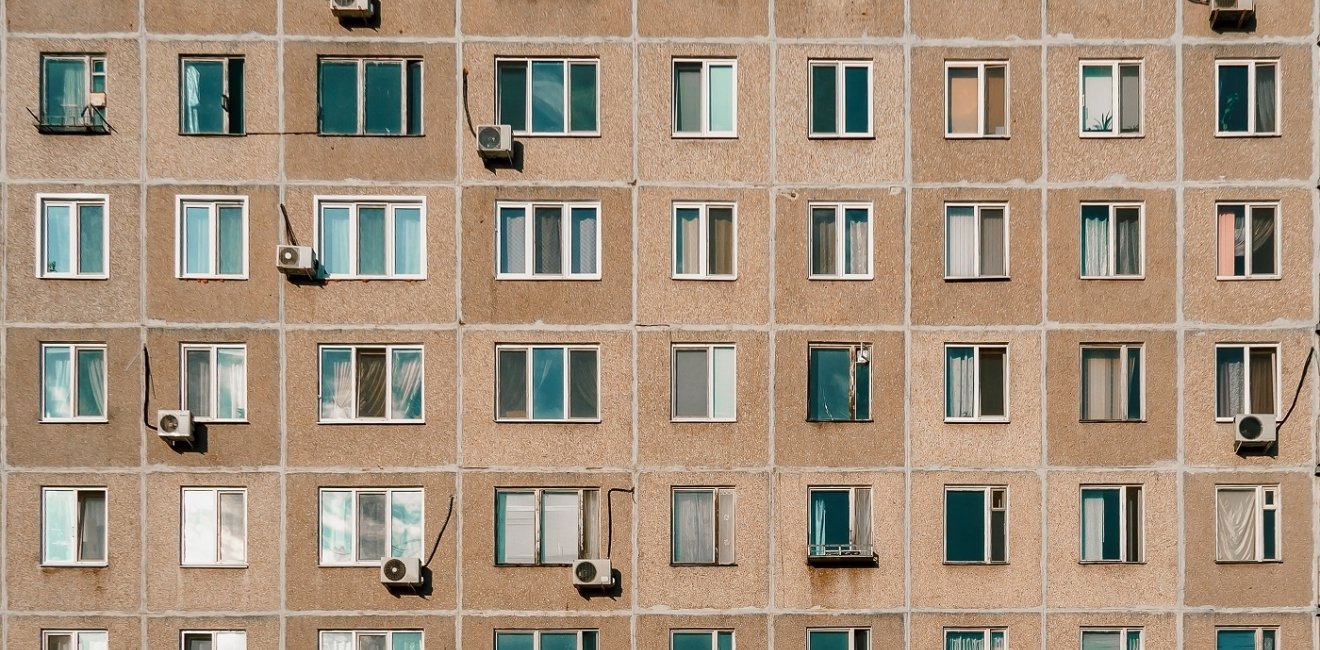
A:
{"points": [[824, 95], [548, 96], [371, 240], [964, 526], [58, 249], [1095, 240], [511, 81], [584, 246], [829, 384], [196, 239], [230, 249], [384, 97], [965, 640], [333, 249], [548, 383], [414, 98], [856, 99], [338, 98], [582, 82], [91, 238]]}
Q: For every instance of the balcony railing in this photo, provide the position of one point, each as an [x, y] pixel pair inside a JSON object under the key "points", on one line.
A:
{"points": [[90, 119], [841, 554]]}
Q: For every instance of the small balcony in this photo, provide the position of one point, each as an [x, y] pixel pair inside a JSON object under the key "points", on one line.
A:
{"points": [[90, 120], [855, 555]]}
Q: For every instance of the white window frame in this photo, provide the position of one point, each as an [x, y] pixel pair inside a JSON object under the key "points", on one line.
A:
{"points": [[389, 493], [74, 201], [74, 636], [1123, 633], [213, 203], [362, 62], [389, 636], [988, 492], [587, 498], [840, 113], [1115, 66], [1123, 349], [716, 522], [840, 239], [536, 635], [105, 539], [986, 638], [389, 381], [527, 348], [214, 397], [529, 240], [1246, 376], [703, 241], [705, 131], [1112, 222], [853, 491], [1263, 492], [709, 349], [976, 374], [354, 205], [1260, 631], [215, 493], [1122, 489], [568, 131], [976, 260], [217, 637], [74, 348], [854, 633], [1251, 65], [714, 636], [90, 61], [1248, 208], [980, 66]]}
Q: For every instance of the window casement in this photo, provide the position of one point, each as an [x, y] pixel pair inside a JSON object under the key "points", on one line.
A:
{"points": [[215, 382], [547, 241], [1113, 240], [975, 524], [75, 640], [992, 638], [841, 241], [705, 98], [1247, 525], [361, 526], [371, 237], [1111, 99], [73, 526], [212, 235], [548, 96], [1246, 380], [701, 640], [211, 95], [369, 640], [1246, 638], [1247, 97], [839, 524], [214, 640], [975, 383], [840, 638], [547, 383], [705, 241], [840, 99], [73, 236], [1112, 523], [214, 524], [838, 382], [976, 99], [369, 96], [73, 382], [551, 526], [546, 640], [1113, 382], [704, 383], [1112, 638], [703, 526], [975, 241], [73, 93], [1248, 241], [371, 383]]}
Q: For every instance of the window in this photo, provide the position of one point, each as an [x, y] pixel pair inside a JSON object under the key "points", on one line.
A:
{"points": [[1247, 95], [854, 638], [73, 526], [212, 237], [372, 238], [1247, 638], [370, 640], [554, 383], [536, 250], [706, 98], [73, 383], [840, 524], [75, 640], [705, 241], [1248, 245], [703, 520], [840, 99], [977, 99], [214, 527], [975, 383], [1123, 638], [1247, 523], [1112, 240], [371, 383], [983, 639], [975, 241], [550, 526], [361, 526], [1246, 377], [215, 640], [546, 640], [975, 525], [1111, 523], [73, 92], [841, 241], [838, 382], [73, 241], [211, 96], [701, 640], [215, 382], [1111, 98], [561, 96], [1112, 383], [370, 96], [705, 383]]}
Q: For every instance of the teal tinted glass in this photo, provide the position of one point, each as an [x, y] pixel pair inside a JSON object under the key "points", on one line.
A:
{"points": [[856, 99], [230, 244], [722, 97], [1234, 106], [234, 102], [547, 97], [338, 98], [829, 384], [512, 94], [824, 95], [408, 241], [830, 517], [863, 391], [687, 97], [371, 240], [201, 108], [1235, 640], [690, 641], [384, 99], [196, 239], [514, 641], [827, 640], [58, 248], [964, 526], [91, 383], [91, 238], [548, 384], [559, 641], [414, 97], [582, 82], [63, 91]]}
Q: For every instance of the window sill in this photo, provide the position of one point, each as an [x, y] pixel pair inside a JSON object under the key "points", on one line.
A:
{"points": [[1109, 135], [974, 136], [75, 565], [700, 565], [706, 278], [75, 421], [840, 278], [572, 134], [548, 278], [974, 563], [1109, 562], [841, 421], [203, 279], [213, 135], [840, 136], [977, 421], [214, 566], [356, 565], [1249, 561], [102, 276], [1247, 278], [977, 278], [1234, 134], [370, 135], [531, 421], [215, 421], [372, 278], [1099, 421], [674, 420], [1117, 278], [704, 136], [369, 422], [544, 565]]}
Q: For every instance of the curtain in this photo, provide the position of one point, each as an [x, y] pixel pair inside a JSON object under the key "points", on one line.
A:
{"points": [[963, 101], [1095, 240], [371, 240], [1129, 98], [547, 252], [1102, 640], [1237, 640], [199, 533], [230, 247], [91, 238], [694, 527], [191, 97], [584, 228], [559, 527], [57, 245], [336, 641], [406, 523], [73, 102], [231, 383], [1229, 382], [996, 100], [687, 97], [724, 383], [993, 236], [230, 641], [1101, 384], [1262, 240], [583, 393], [1235, 517], [1098, 98], [408, 240], [1265, 95], [547, 96], [960, 242], [960, 383], [59, 525], [857, 244], [91, 383], [512, 389], [687, 241], [406, 384], [1127, 241], [548, 383], [970, 640], [334, 255], [1134, 641], [196, 239], [515, 527], [823, 241], [513, 240], [336, 383], [91, 526], [719, 224], [1231, 244], [372, 391], [233, 527], [198, 365], [1093, 525], [1262, 380], [407, 641], [57, 401], [722, 96], [690, 383]]}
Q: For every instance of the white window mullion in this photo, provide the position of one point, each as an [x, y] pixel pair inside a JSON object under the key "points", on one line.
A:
{"points": [[1112, 231], [353, 387], [1251, 99], [530, 100], [354, 264], [213, 368], [705, 97], [565, 74], [531, 402], [75, 242], [1246, 379], [840, 240], [710, 382], [980, 102], [565, 241], [1248, 228], [839, 129], [389, 234], [531, 235], [361, 90]]}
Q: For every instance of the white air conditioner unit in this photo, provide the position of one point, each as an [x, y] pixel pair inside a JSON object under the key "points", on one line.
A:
{"points": [[1254, 430], [495, 141], [1234, 12], [96, 100], [405, 571], [597, 574], [295, 260], [174, 425], [352, 8]]}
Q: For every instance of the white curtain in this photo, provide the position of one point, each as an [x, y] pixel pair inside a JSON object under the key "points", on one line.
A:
{"points": [[516, 527], [56, 368], [233, 527], [960, 383], [1230, 376], [584, 240], [198, 366], [192, 98], [231, 373], [1235, 512], [336, 527], [687, 241], [91, 388], [559, 527], [408, 241], [336, 641], [336, 384], [334, 240], [960, 242], [406, 392], [513, 240], [199, 520], [1102, 640], [230, 641], [1101, 384], [1265, 92], [1095, 240], [93, 641], [694, 526], [964, 641], [857, 253], [406, 523], [1093, 525], [74, 101], [59, 525], [91, 525]]}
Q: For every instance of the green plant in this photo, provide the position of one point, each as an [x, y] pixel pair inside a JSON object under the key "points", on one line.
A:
{"points": [[1103, 123]]}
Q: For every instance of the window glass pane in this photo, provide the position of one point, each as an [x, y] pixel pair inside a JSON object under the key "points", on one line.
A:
{"points": [[964, 102], [414, 97], [1234, 110], [513, 240], [1266, 89], [824, 243], [91, 383], [722, 98], [203, 92], [856, 241], [547, 97], [1132, 377], [91, 525], [725, 383], [336, 383], [585, 242], [197, 641], [827, 640], [197, 365], [1102, 640], [992, 382], [693, 533], [91, 238], [199, 527], [993, 260], [58, 248], [371, 240], [1127, 241], [59, 525], [829, 384], [824, 95], [856, 99], [514, 641], [1098, 98], [333, 253], [406, 523], [89, 640], [548, 383], [512, 398], [233, 527], [1262, 240], [1262, 380], [1095, 240], [235, 110], [724, 640], [1129, 98], [719, 238], [691, 641], [338, 97], [687, 240], [372, 642], [407, 374], [687, 97], [1269, 534], [1230, 376], [371, 383], [384, 98], [231, 247], [548, 253], [64, 100], [1235, 640], [515, 527], [57, 398], [862, 402], [559, 527], [406, 641], [512, 80], [831, 521], [336, 527], [1101, 383], [996, 100], [690, 378], [559, 641], [959, 382], [582, 375], [964, 526], [408, 240], [582, 79], [371, 526], [960, 241], [196, 239], [59, 642]]}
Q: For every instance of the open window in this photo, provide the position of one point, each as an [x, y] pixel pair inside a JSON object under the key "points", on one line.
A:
{"points": [[1112, 528], [839, 526], [838, 382]]}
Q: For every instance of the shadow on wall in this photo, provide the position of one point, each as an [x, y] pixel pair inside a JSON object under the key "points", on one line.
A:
{"points": [[1234, 22]]}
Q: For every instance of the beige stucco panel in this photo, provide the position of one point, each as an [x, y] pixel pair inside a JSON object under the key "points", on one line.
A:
{"points": [[1119, 18], [206, 17], [981, 19], [835, 19], [167, 632], [535, 18], [1024, 630], [479, 631], [1157, 630], [1277, 18], [72, 15], [1294, 628], [791, 629], [699, 18], [25, 631], [396, 18], [303, 632]]}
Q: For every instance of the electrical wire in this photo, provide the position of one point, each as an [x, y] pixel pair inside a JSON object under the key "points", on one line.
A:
{"points": [[435, 547], [1301, 381], [609, 518], [146, 389]]}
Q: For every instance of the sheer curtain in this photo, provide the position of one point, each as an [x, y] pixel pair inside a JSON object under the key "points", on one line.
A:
{"points": [[971, 640], [230, 641], [1262, 240], [91, 383], [1229, 373], [584, 240], [408, 241], [336, 527], [548, 250], [199, 534], [513, 240], [687, 241], [406, 524], [817, 520], [336, 641], [1095, 240], [694, 527], [1093, 525], [960, 242], [406, 391], [196, 239], [1127, 233], [823, 241], [57, 246], [960, 383], [1265, 93], [1101, 384], [515, 527], [1235, 515], [856, 250], [407, 641], [719, 224], [91, 526], [1102, 640], [1262, 381], [231, 389], [372, 392], [233, 526], [548, 388], [198, 366], [992, 242], [91, 238], [192, 98], [334, 240], [93, 641], [336, 384], [56, 370], [559, 527], [74, 102]]}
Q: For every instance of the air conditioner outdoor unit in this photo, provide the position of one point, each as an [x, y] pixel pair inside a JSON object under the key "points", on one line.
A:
{"points": [[352, 8], [1254, 430], [1235, 12], [597, 574], [295, 260], [174, 425], [495, 141], [96, 100], [404, 571]]}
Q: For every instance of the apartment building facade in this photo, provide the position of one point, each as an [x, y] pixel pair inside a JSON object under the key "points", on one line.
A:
{"points": [[831, 324]]}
